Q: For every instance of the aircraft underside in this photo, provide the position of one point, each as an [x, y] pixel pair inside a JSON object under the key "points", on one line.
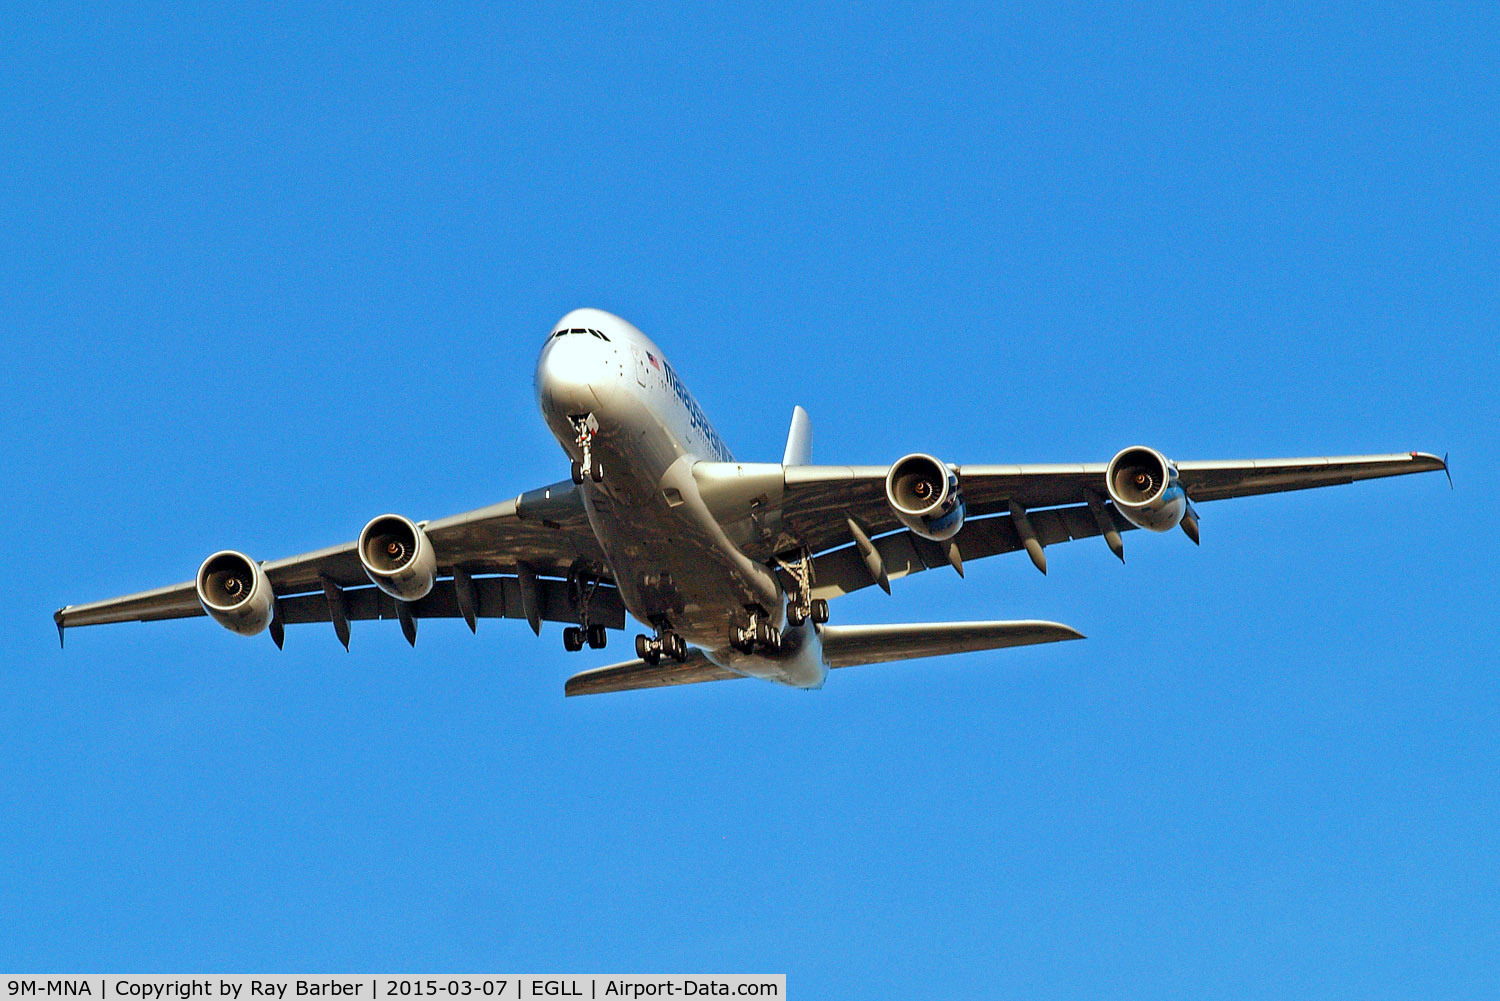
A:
{"points": [[730, 566]]}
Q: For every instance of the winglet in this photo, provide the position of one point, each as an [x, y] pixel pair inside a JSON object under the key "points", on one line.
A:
{"points": [[57, 617], [1447, 472], [798, 440]]}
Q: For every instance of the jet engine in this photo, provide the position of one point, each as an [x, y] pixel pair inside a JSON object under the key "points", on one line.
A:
{"points": [[233, 589], [924, 495], [398, 557], [1143, 485]]}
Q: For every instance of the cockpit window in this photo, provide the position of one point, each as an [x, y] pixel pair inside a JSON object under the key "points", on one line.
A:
{"points": [[578, 330], [588, 330]]}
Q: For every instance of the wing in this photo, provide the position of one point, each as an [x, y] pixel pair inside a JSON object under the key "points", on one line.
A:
{"points": [[773, 509], [843, 646], [519, 559]]}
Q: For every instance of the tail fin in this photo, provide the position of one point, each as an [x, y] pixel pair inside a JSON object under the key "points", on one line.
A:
{"points": [[798, 440]]}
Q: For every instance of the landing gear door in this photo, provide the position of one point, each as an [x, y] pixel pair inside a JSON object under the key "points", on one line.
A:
{"points": [[642, 367]]}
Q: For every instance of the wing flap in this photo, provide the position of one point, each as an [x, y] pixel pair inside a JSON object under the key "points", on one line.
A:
{"points": [[494, 598], [843, 571]]}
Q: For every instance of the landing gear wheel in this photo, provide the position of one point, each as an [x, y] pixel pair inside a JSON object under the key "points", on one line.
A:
{"points": [[577, 471], [596, 472], [572, 639], [794, 614], [597, 637], [643, 647], [744, 642], [677, 647], [820, 610]]}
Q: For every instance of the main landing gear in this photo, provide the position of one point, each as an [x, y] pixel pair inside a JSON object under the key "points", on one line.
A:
{"points": [[798, 612], [582, 583], [800, 604], [664, 644], [587, 426], [575, 636], [758, 635]]}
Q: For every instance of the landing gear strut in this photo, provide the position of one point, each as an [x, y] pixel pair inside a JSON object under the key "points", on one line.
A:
{"points": [[587, 426], [665, 643], [800, 604], [582, 583]]}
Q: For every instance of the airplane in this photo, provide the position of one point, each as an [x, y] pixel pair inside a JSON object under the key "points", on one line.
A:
{"points": [[731, 565]]}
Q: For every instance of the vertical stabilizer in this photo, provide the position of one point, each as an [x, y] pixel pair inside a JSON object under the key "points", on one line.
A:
{"points": [[798, 440]]}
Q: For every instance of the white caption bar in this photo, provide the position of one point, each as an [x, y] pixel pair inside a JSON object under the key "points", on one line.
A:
{"points": [[383, 986]]}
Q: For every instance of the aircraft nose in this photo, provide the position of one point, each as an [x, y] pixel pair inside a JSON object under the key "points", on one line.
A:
{"points": [[570, 374]]}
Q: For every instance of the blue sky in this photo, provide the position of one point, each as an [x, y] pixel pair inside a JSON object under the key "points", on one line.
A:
{"points": [[266, 273]]}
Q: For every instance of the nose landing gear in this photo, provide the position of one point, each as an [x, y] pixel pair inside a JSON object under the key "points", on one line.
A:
{"points": [[587, 426]]}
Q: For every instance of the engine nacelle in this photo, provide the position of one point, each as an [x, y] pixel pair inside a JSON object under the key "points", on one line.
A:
{"points": [[234, 590], [398, 557], [1143, 485], [924, 495]]}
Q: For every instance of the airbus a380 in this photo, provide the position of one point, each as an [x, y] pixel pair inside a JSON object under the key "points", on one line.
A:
{"points": [[729, 564]]}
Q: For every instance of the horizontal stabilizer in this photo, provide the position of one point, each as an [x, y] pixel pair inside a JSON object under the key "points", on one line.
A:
{"points": [[847, 646], [638, 674], [843, 646]]}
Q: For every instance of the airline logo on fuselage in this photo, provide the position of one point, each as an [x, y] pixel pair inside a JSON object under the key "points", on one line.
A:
{"points": [[696, 417]]}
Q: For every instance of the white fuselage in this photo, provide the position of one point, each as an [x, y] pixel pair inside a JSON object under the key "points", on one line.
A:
{"points": [[671, 559]]}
